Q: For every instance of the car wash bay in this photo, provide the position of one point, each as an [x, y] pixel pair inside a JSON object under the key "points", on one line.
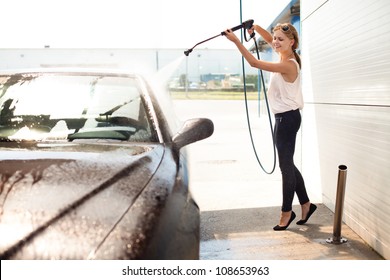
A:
{"points": [[240, 204]]}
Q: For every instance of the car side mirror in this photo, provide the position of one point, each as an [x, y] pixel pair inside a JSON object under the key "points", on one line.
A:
{"points": [[192, 131]]}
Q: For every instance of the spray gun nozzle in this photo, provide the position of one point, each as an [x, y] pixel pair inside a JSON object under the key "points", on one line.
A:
{"points": [[187, 52]]}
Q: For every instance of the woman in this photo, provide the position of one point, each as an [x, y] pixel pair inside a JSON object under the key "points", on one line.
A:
{"points": [[286, 100]]}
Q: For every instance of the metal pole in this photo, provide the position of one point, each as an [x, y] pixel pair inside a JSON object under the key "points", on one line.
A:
{"points": [[157, 61], [338, 215], [186, 81]]}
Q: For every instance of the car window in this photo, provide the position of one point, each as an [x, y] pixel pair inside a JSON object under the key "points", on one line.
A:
{"points": [[70, 107]]}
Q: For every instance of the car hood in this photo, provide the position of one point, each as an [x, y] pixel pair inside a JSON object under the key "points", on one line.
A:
{"points": [[80, 190]]}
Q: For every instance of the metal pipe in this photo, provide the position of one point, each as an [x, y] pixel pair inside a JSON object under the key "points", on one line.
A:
{"points": [[342, 177]]}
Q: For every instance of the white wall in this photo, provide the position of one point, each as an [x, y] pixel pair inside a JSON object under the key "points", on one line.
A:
{"points": [[346, 77]]}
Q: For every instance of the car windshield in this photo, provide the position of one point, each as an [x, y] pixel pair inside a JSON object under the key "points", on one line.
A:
{"points": [[37, 107]]}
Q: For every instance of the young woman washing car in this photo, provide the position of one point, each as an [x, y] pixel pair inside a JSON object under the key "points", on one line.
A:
{"points": [[286, 100]]}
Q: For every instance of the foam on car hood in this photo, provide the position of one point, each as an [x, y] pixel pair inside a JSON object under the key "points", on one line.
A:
{"points": [[93, 185]]}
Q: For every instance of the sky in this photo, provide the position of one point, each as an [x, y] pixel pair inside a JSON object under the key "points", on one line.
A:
{"points": [[127, 23]]}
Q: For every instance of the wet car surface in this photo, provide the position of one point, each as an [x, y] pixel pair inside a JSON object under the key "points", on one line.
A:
{"points": [[93, 166]]}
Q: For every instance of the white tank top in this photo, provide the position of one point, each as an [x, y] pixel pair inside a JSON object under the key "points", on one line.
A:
{"points": [[285, 96]]}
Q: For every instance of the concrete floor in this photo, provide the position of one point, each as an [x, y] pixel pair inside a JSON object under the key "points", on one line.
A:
{"points": [[240, 204], [247, 234]]}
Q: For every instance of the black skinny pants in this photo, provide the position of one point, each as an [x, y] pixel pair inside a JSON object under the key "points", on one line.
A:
{"points": [[286, 127]]}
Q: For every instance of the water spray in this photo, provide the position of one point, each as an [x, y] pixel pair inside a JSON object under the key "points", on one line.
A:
{"points": [[245, 25]]}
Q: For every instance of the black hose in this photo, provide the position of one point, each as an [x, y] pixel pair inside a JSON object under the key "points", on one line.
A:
{"points": [[268, 110]]}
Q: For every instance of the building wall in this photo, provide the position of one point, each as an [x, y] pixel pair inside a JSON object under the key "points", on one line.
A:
{"points": [[346, 120]]}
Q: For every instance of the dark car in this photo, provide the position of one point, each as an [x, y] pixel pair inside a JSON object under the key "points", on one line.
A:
{"points": [[92, 167]]}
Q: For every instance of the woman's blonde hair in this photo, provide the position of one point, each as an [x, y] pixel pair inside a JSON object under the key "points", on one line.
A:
{"points": [[291, 33]]}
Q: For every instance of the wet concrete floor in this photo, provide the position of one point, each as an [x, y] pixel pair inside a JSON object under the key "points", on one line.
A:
{"points": [[240, 204], [247, 234]]}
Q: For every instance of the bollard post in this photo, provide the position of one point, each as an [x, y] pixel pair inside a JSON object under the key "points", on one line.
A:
{"points": [[338, 215]]}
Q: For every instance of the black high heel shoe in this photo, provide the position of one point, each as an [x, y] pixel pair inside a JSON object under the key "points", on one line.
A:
{"points": [[277, 227], [311, 211]]}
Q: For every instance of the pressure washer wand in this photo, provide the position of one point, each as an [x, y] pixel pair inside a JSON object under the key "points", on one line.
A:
{"points": [[187, 52], [246, 25]]}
